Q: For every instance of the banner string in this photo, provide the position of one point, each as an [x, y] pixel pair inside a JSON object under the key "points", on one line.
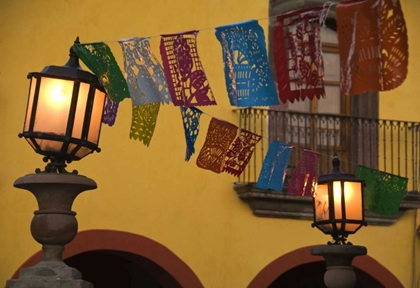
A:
{"points": [[329, 3]]}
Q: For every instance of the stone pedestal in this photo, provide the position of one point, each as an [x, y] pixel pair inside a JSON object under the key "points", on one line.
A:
{"points": [[54, 225], [340, 273]]}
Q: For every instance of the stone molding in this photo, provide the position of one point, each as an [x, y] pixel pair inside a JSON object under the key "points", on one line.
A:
{"points": [[272, 204]]}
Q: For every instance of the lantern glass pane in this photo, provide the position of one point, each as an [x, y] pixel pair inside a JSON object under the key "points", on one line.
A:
{"points": [[338, 213], [31, 143], [79, 116], [322, 206], [96, 118], [53, 107], [49, 145], [82, 152], [353, 198], [30, 104]]}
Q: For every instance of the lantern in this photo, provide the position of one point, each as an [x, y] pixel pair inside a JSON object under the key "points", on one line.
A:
{"points": [[64, 113], [338, 204]]}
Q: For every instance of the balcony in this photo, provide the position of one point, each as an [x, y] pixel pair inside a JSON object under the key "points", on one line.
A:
{"points": [[387, 145]]}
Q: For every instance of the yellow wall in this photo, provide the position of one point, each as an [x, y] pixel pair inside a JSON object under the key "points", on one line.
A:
{"points": [[402, 103], [152, 191]]}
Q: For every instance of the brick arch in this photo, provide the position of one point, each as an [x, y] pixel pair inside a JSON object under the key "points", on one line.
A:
{"points": [[303, 256], [126, 242]]}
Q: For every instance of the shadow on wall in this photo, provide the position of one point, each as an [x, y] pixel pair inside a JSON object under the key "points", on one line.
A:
{"points": [[110, 268]]}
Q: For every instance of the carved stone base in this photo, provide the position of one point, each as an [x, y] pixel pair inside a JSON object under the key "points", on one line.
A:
{"points": [[49, 274], [340, 273], [50, 283], [54, 225]]}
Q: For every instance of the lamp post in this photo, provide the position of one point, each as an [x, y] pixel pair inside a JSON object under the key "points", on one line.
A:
{"points": [[62, 123], [339, 212]]}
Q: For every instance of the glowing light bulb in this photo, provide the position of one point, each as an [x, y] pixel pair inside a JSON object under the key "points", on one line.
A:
{"points": [[57, 96]]}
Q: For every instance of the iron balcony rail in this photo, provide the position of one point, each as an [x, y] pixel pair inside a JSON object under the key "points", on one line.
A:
{"points": [[387, 145]]}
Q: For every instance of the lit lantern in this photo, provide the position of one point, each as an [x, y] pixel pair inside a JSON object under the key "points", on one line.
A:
{"points": [[64, 113], [338, 204]]}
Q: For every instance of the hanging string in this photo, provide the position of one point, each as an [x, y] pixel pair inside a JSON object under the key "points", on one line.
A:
{"points": [[210, 28], [330, 4], [324, 20]]}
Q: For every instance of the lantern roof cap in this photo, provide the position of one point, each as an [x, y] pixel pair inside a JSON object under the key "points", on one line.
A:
{"points": [[336, 173], [70, 71]]}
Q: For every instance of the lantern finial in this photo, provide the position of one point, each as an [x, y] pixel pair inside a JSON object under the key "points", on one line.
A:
{"points": [[73, 62], [336, 164]]}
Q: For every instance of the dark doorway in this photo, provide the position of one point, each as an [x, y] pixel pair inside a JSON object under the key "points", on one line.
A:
{"points": [[311, 275], [110, 268]]}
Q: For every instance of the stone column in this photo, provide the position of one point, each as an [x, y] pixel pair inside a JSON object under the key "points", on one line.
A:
{"points": [[53, 226], [340, 273]]}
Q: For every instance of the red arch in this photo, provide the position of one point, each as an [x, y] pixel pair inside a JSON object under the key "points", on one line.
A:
{"points": [[127, 242], [303, 256]]}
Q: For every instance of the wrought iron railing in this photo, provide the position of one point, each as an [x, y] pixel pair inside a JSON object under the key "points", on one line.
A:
{"points": [[388, 145]]}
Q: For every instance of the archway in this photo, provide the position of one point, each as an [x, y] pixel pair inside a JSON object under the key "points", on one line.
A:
{"points": [[131, 249], [110, 268], [365, 266]]}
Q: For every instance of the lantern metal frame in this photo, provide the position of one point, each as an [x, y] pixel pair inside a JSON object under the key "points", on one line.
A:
{"points": [[73, 72], [339, 235]]}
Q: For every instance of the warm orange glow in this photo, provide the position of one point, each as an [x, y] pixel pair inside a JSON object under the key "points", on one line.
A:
{"points": [[59, 93], [338, 213], [96, 118], [322, 206], [79, 116], [30, 104], [352, 200], [53, 106]]}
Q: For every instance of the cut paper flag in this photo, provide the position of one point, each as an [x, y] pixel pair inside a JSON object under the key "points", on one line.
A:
{"points": [[247, 74], [373, 45], [110, 111], [305, 176], [191, 122], [187, 82], [240, 152], [273, 170], [220, 136], [145, 78], [100, 60], [298, 56], [143, 122], [383, 192]]}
